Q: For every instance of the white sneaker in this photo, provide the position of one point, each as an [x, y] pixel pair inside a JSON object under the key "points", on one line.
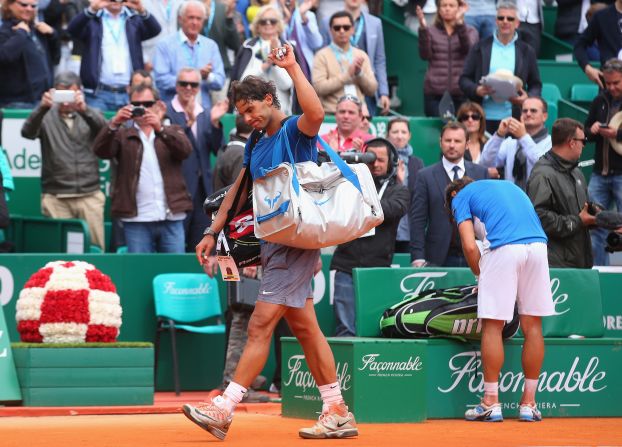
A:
{"points": [[529, 413], [210, 416], [338, 422], [485, 413]]}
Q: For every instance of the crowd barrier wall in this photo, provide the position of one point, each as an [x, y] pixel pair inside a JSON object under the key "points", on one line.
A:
{"points": [[202, 358]]}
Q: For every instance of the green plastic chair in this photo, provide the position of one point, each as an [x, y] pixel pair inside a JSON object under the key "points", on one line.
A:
{"points": [[583, 92], [182, 299], [551, 93]]}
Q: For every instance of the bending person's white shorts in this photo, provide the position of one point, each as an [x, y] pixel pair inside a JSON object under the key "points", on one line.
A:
{"points": [[514, 274]]}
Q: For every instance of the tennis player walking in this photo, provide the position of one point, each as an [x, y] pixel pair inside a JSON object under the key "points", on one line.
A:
{"points": [[285, 289]]}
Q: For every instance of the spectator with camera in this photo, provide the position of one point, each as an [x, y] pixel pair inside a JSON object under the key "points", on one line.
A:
{"points": [[26, 49], [188, 48], [340, 68], [376, 248], [150, 194], [558, 191], [204, 130], [518, 144], [347, 135], [602, 126], [112, 32], [66, 128], [434, 238]]}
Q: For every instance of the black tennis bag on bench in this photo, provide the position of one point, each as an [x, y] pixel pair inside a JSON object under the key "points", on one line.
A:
{"points": [[448, 312]]}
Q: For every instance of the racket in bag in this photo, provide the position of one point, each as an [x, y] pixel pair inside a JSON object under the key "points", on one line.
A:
{"points": [[450, 312]]}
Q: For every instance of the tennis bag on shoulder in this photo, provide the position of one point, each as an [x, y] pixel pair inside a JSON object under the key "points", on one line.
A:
{"points": [[448, 312]]}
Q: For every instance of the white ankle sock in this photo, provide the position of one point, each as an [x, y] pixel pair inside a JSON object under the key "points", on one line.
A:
{"points": [[233, 395], [491, 389], [531, 386], [331, 395]]}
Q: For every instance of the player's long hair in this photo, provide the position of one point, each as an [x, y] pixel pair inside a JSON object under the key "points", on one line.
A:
{"points": [[253, 88], [452, 189]]}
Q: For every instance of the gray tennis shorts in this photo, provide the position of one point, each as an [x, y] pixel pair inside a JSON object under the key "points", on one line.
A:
{"points": [[287, 274]]}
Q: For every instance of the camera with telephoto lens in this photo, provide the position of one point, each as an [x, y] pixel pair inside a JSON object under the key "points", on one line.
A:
{"points": [[614, 242], [349, 157], [609, 220]]}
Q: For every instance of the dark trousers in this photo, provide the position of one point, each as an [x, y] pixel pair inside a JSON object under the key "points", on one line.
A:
{"points": [[531, 34], [196, 221], [431, 103]]}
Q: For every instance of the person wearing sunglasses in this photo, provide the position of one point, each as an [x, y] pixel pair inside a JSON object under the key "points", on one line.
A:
{"points": [[558, 191], [112, 33], [472, 116], [517, 145], [253, 57], [340, 68], [445, 45], [504, 51], [150, 194], [204, 130], [26, 48]]}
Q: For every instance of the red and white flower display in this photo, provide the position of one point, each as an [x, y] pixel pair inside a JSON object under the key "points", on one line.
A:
{"points": [[68, 302]]}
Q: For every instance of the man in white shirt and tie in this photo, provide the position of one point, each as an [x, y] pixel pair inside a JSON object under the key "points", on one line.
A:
{"points": [[433, 237]]}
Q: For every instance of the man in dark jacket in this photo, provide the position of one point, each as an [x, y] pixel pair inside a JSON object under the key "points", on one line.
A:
{"points": [[558, 191], [204, 130], [150, 194], [376, 248], [571, 20], [26, 48], [112, 35], [433, 237], [503, 50], [606, 31], [606, 181]]}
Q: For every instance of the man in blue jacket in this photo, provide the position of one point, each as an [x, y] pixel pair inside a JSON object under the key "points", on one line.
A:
{"points": [[112, 35], [204, 130]]}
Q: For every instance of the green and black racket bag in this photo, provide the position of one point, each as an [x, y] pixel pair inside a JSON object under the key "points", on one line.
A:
{"points": [[448, 312]]}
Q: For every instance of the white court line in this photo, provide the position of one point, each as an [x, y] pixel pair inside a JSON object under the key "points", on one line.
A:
{"points": [[569, 405]]}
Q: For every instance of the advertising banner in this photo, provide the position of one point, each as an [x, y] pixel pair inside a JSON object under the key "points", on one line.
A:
{"points": [[575, 292], [381, 380]]}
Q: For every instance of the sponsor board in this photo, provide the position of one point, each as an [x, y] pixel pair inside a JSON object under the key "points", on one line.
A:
{"points": [[610, 287], [575, 294], [376, 379], [578, 378], [385, 382]]}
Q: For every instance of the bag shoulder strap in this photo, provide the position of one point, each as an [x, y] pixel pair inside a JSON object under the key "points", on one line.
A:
{"points": [[246, 183]]}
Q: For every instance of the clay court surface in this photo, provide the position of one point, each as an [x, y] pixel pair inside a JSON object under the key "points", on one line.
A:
{"points": [[255, 429]]}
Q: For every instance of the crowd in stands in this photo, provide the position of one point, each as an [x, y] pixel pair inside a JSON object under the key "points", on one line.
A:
{"points": [[163, 67]]}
